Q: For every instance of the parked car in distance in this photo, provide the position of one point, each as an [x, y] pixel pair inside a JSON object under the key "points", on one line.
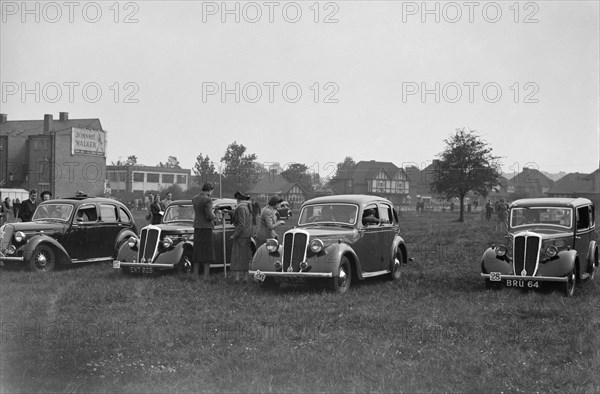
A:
{"points": [[337, 239], [284, 211], [68, 230], [169, 245], [550, 240]]}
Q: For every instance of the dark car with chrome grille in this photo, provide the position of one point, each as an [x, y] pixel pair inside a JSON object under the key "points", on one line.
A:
{"points": [[337, 240], [168, 246], [66, 231], [549, 241]]}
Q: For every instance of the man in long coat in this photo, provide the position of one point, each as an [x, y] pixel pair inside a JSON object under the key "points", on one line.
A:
{"points": [[241, 250]]}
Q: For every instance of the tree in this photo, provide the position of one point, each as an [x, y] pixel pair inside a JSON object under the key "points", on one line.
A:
{"points": [[204, 170], [344, 166], [240, 169], [298, 173], [466, 164], [131, 161], [172, 162]]}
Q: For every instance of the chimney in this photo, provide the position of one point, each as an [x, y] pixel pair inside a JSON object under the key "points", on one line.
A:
{"points": [[47, 123], [63, 116], [3, 118]]}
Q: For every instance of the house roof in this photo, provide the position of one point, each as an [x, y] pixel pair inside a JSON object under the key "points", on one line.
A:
{"points": [[273, 184], [32, 127], [530, 176], [577, 183], [364, 170]]}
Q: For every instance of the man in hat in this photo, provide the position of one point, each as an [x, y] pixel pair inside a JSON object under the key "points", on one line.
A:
{"points": [[241, 250], [204, 252]]}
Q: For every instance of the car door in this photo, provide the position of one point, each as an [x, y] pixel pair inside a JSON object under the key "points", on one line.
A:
{"points": [[369, 247], [84, 237], [389, 228], [109, 228], [584, 233]]}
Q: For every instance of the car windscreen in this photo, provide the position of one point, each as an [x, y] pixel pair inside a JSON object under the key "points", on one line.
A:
{"points": [[60, 212], [178, 213], [541, 216], [328, 213]]}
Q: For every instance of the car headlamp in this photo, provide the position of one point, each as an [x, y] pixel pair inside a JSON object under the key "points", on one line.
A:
{"points": [[19, 236], [132, 242], [501, 250], [272, 245], [167, 242], [316, 245], [551, 251], [11, 249]]}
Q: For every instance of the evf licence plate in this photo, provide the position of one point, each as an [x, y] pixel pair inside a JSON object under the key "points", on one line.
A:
{"points": [[529, 284]]}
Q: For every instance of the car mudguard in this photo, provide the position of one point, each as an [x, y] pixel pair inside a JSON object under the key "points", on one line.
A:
{"points": [[330, 260], [265, 261], [561, 265], [124, 234], [490, 262], [61, 253], [172, 256], [398, 244], [592, 257]]}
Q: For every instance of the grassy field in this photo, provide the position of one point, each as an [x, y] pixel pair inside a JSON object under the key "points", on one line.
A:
{"points": [[91, 329]]}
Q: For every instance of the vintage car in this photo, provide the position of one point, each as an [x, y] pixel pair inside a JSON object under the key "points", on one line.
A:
{"points": [[549, 240], [169, 245], [284, 211], [337, 239], [68, 230]]}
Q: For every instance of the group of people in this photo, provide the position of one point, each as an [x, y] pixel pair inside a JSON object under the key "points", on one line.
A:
{"points": [[501, 207], [246, 225], [156, 207], [22, 211]]}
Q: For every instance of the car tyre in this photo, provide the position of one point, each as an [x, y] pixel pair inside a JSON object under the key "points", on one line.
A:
{"points": [[593, 264], [569, 285], [42, 259], [341, 282], [396, 273], [185, 265]]}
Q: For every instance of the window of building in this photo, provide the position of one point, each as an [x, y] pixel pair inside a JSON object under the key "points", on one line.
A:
{"points": [[168, 178], [153, 177], [108, 213], [181, 179], [138, 177]]}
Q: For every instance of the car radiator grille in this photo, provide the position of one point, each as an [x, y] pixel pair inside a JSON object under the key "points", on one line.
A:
{"points": [[526, 253], [294, 249], [148, 244]]}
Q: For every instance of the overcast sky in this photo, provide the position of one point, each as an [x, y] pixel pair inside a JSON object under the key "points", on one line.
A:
{"points": [[525, 75]]}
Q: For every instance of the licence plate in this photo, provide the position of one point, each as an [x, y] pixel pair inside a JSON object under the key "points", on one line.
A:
{"points": [[259, 276], [141, 270], [525, 284], [116, 264]]}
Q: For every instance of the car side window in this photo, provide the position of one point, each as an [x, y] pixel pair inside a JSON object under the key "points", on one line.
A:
{"points": [[386, 214], [124, 216], [86, 214], [583, 218], [370, 216], [108, 213]]}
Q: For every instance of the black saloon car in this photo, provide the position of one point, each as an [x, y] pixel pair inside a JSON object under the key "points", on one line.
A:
{"points": [[68, 230]]}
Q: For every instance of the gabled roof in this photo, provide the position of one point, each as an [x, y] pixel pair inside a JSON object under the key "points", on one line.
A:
{"points": [[576, 183], [32, 127], [273, 184], [364, 170], [531, 177]]}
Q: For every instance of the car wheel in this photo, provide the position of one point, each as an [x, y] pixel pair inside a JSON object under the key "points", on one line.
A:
{"points": [[593, 264], [341, 282], [42, 259], [270, 284], [185, 264], [569, 285], [397, 267]]}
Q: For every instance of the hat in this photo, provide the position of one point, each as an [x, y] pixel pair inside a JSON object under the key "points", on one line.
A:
{"points": [[275, 200], [241, 196], [207, 187]]}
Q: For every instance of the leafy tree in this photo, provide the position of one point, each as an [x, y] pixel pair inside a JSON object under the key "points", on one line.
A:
{"points": [[298, 173], [240, 169], [171, 162], [131, 160], [344, 166], [204, 170], [466, 164]]}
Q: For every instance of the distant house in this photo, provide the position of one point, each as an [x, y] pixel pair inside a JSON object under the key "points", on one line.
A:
{"points": [[578, 185], [139, 178], [529, 183], [374, 177], [273, 184]]}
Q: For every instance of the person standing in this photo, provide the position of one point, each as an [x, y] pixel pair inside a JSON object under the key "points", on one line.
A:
{"points": [[268, 221], [46, 195], [488, 210], [241, 249], [28, 207], [168, 200], [502, 215], [156, 210], [7, 210], [204, 252]]}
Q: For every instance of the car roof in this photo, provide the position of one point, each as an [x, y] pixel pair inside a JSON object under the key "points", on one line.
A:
{"points": [[79, 200], [215, 201], [550, 202], [359, 199]]}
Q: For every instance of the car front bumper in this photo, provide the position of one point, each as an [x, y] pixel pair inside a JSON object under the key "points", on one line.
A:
{"points": [[519, 277], [8, 259], [118, 264]]}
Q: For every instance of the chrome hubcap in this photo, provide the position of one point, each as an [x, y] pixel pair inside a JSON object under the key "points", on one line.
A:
{"points": [[342, 278], [396, 266], [41, 260]]}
